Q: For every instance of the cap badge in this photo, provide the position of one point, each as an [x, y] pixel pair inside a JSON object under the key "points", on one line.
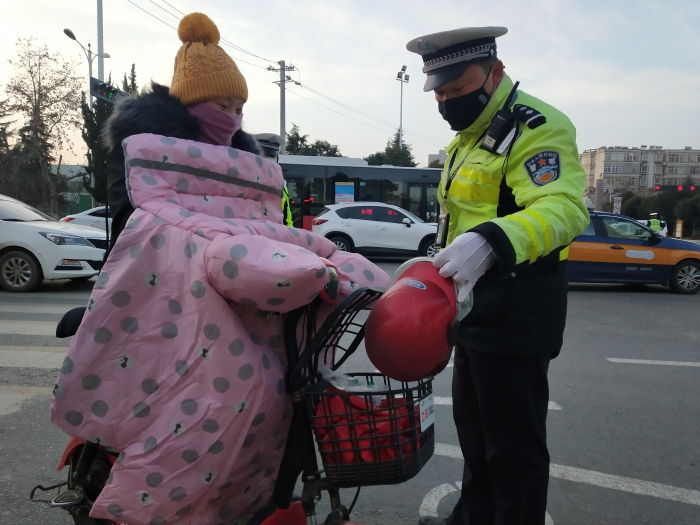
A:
{"points": [[426, 47]]}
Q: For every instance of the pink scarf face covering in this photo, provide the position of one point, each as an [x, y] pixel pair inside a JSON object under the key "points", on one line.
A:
{"points": [[218, 127]]}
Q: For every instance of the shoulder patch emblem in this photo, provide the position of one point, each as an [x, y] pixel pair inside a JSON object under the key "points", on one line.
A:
{"points": [[543, 168]]}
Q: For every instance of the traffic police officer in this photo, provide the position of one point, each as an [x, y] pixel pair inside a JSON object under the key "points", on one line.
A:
{"points": [[270, 145], [654, 222], [511, 204]]}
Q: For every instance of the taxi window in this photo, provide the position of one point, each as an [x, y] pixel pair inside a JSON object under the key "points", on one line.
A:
{"points": [[590, 230], [618, 228]]}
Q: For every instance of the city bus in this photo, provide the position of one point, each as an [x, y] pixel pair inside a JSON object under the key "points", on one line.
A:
{"points": [[314, 182]]}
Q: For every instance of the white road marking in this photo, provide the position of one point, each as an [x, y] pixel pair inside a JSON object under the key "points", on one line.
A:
{"points": [[32, 359], [430, 504], [600, 479], [35, 308], [50, 349], [651, 362], [11, 397], [28, 327], [429, 507], [448, 401]]}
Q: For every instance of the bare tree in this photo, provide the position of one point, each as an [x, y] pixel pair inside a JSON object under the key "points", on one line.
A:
{"points": [[45, 92]]}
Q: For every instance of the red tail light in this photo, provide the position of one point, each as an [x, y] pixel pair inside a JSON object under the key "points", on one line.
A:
{"points": [[318, 222], [68, 219]]}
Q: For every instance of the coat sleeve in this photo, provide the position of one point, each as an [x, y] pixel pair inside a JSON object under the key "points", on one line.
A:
{"points": [[257, 271], [554, 212]]}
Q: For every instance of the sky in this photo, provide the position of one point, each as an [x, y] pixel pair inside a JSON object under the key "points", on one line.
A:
{"points": [[626, 72]]}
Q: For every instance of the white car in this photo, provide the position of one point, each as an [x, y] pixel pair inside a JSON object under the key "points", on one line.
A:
{"points": [[375, 228], [34, 247], [94, 218]]}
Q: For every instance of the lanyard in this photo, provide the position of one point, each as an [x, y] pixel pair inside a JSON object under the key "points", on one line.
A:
{"points": [[452, 174]]}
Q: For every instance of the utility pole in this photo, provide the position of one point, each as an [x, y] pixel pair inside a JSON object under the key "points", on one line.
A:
{"points": [[403, 78], [283, 123], [284, 78], [100, 46]]}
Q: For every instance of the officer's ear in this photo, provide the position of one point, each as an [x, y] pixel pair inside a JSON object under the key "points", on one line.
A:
{"points": [[497, 72]]}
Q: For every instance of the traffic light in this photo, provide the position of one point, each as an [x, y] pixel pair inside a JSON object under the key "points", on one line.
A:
{"points": [[662, 187], [104, 91]]}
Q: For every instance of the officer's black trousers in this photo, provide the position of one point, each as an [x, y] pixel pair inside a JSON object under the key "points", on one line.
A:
{"points": [[500, 410]]}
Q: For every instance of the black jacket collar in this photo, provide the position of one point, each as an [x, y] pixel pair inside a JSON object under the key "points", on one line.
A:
{"points": [[157, 112]]}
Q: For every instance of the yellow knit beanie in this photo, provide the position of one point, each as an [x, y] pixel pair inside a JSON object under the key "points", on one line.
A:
{"points": [[203, 71]]}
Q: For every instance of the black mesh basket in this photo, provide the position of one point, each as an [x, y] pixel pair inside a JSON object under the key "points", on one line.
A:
{"points": [[370, 438]]}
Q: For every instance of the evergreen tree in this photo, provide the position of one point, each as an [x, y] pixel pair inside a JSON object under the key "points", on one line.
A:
{"points": [[93, 124], [96, 167], [129, 83], [298, 144], [393, 154]]}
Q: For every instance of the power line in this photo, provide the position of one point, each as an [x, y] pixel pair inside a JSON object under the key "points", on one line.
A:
{"points": [[175, 28], [378, 120], [435, 141], [176, 9], [237, 47], [151, 14], [164, 9], [351, 118]]}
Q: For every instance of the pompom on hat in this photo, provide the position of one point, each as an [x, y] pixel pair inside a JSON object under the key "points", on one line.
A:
{"points": [[203, 71]]}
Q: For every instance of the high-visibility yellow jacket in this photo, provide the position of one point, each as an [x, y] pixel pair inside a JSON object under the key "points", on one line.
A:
{"points": [[527, 204], [286, 209], [655, 224]]}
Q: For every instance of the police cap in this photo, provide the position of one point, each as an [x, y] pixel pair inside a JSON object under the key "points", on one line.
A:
{"points": [[269, 142], [448, 54]]}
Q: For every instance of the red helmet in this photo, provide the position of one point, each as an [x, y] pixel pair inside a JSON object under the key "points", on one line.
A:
{"points": [[410, 330]]}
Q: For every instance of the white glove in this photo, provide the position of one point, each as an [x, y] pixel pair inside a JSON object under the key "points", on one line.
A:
{"points": [[465, 260]]}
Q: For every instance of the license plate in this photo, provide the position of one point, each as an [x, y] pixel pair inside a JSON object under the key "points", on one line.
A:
{"points": [[427, 412]]}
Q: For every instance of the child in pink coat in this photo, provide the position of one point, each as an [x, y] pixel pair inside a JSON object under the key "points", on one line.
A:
{"points": [[179, 362]]}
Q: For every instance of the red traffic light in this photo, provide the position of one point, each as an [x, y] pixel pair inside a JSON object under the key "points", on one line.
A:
{"points": [[657, 188], [680, 188], [692, 188]]}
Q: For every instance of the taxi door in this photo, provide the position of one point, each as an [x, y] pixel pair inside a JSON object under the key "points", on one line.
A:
{"points": [[587, 260], [632, 252]]}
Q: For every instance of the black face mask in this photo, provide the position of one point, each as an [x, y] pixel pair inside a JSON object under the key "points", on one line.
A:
{"points": [[461, 112]]}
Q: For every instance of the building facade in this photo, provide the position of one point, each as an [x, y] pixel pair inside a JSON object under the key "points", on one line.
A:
{"points": [[623, 168], [441, 157]]}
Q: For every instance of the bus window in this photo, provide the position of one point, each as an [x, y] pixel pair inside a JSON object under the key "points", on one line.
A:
{"points": [[432, 211], [415, 199], [370, 190], [393, 192]]}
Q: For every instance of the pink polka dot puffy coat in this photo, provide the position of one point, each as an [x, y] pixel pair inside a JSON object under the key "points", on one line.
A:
{"points": [[179, 362]]}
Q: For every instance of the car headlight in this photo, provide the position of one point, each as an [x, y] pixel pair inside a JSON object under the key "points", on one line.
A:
{"points": [[66, 240]]}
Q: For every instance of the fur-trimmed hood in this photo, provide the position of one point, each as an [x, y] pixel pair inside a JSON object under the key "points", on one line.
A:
{"points": [[159, 113]]}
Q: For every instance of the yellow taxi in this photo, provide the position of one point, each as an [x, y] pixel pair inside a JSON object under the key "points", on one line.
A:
{"points": [[617, 249]]}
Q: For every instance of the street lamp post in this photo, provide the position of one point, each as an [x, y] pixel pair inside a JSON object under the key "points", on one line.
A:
{"points": [[403, 78], [90, 57]]}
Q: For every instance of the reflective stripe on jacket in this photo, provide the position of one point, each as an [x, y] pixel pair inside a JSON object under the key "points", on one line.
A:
{"points": [[286, 209], [524, 209]]}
